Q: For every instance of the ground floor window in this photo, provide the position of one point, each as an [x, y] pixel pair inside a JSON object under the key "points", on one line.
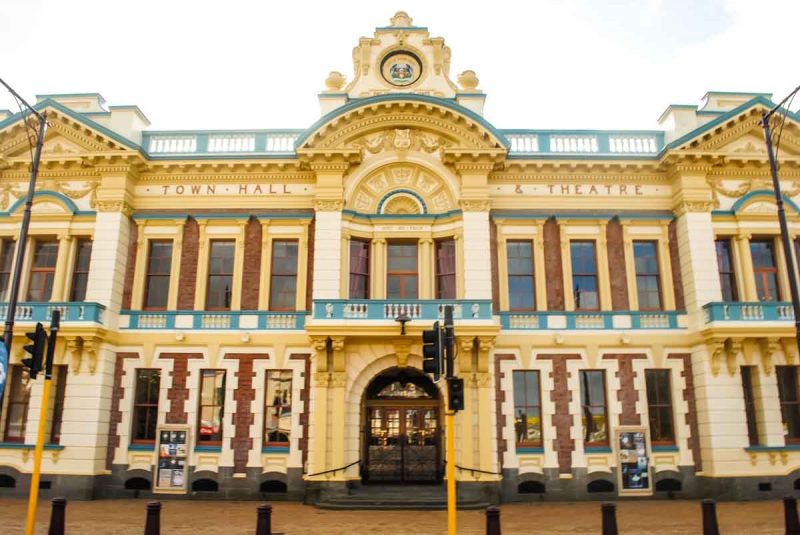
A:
{"points": [[659, 406], [593, 407], [278, 408], [212, 407], [790, 402], [527, 408]]}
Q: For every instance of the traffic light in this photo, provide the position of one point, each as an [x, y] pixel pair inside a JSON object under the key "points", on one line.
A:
{"points": [[36, 349], [455, 393], [432, 351]]}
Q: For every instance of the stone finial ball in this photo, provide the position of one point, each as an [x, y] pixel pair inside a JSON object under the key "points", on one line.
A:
{"points": [[335, 81], [401, 20], [468, 80]]}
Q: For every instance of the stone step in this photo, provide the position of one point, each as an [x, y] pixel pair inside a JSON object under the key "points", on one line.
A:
{"points": [[423, 497]]}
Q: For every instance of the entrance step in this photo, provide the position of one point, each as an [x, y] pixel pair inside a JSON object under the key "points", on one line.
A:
{"points": [[398, 497]]}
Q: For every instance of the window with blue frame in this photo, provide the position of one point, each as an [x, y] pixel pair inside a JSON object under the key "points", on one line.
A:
{"points": [[527, 408]]}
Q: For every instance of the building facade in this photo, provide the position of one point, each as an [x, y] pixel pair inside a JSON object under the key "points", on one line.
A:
{"points": [[230, 298]]}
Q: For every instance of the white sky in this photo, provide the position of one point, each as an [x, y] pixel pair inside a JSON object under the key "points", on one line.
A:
{"points": [[260, 64]]}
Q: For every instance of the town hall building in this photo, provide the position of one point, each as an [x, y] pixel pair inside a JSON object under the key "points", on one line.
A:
{"points": [[230, 299]]}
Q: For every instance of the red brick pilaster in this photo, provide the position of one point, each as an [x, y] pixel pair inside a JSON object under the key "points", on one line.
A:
{"points": [[252, 264], [117, 392], [627, 393], [245, 393], [188, 277], [691, 415], [675, 264], [616, 266], [178, 393], [500, 398], [552, 265], [305, 395], [562, 419]]}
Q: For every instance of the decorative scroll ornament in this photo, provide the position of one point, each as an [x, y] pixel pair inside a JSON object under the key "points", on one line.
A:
{"points": [[401, 139], [5, 190], [717, 188], [90, 188]]}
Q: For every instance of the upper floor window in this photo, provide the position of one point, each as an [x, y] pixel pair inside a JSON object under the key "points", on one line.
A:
{"points": [[145, 405], [278, 407], [790, 401], [445, 269], [43, 270], [521, 289], [748, 389], [359, 269], [593, 407], [283, 281], [659, 406], [648, 284], [727, 277], [80, 273], [527, 407], [220, 275], [401, 273], [159, 265], [60, 381], [212, 407], [764, 269], [17, 406], [6, 266], [584, 275]]}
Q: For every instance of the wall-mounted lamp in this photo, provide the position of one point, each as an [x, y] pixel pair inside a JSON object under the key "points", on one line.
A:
{"points": [[402, 319]]}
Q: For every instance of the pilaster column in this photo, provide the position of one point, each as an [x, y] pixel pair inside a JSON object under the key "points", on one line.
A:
{"points": [[378, 269], [603, 277], [318, 433], [465, 432], [475, 205], [486, 415], [427, 269], [338, 414], [60, 286], [745, 266]]}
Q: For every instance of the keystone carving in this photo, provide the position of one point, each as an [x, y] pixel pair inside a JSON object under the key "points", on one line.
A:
{"points": [[768, 348]]}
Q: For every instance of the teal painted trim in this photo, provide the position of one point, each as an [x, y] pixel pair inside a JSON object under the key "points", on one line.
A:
{"points": [[418, 217], [288, 131], [749, 311], [179, 217], [597, 449], [96, 113], [788, 447], [657, 133], [709, 112], [20, 446], [546, 155], [445, 103], [529, 450], [644, 216], [141, 447], [223, 156], [275, 449], [70, 311], [265, 216], [721, 213], [71, 206], [665, 449], [399, 192], [388, 309], [337, 94], [221, 216], [208, 449], [762, 193]]}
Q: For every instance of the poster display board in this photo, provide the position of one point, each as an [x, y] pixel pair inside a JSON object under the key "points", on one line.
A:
{"points": [[632, 449], [172, 453]]}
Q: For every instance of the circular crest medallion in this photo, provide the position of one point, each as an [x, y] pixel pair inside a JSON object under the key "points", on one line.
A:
{"points": [[401, 68]]}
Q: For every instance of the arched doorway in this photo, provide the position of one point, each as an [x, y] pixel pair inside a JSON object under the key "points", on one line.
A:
{"points": [[402, 437]]}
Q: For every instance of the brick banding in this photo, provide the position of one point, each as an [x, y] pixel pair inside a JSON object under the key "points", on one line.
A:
{"points": [[675, 265], [117, 392], [130, 267], [691, 415], [616, 265], [188, 277], [178, 393], [552, 265], [627, 394], [500, 398], [304, 397], [562, 419], [245, 393], [251, 272]]}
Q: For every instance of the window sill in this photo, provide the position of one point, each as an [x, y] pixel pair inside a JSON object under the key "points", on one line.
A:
{"points": [[208, 449], [663, 448], [21, 446], [529, 449], [597, 449], [141, 447], [275, 449]]}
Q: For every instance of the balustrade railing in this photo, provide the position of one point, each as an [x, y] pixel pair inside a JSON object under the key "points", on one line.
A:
{"points": [[203, 320], [390, 309], [242, 142], [614, 143], [70, 311], [605, 320], [748, 311]]}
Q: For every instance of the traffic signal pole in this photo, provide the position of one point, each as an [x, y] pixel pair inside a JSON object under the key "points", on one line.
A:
{"points": [[33, 494], [450, 422]]}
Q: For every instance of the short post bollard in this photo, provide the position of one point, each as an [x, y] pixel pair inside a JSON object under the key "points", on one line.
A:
{"points": [[493, 521], [153, 524], [710, 526], [264, 525], [609, 511], [57, 514], [790, 516]]}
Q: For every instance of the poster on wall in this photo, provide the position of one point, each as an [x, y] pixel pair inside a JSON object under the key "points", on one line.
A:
{"points": [[634, 474], [170, 469]]}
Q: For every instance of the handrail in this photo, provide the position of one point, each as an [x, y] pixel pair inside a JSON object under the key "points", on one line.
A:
{"points": [[478, 470], [335, 469]]}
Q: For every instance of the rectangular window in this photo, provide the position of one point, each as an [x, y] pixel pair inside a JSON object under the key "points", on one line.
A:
{"points": [[359, 269], [43, 270], [283, 281], [145, 405], [6, 266], [790, 403], [60, 380], [659, 406], [584, 275], [220, 274], [212, 407], [80, 273], [593, 407], [445, 269], [764, 269], [521, 288], [159, 267], [727, 277], [401, 271], [527, 408], [17, 407], [648, 283], [278, 408], [750, 404]]}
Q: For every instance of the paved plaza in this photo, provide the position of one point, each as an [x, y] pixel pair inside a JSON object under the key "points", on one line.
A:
{"points": [[126, 517]]}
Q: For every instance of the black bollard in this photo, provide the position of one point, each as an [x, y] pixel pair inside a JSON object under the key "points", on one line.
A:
{"points": [[493, 521], [264, 525], [790, 516], [710, 526], [609, 511], [57, 513], [153, 523]]}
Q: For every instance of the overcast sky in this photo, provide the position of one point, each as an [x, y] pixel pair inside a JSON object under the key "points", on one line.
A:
{"points": [[260, 64]]}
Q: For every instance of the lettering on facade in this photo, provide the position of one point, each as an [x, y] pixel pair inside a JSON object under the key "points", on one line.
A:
{"points": [[581, 189], [168, 190]]}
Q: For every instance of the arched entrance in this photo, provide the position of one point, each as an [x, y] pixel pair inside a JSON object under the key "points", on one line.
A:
{"points": [[402, 438]]}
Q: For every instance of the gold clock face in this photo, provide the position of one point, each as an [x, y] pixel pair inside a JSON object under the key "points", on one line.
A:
{"points": [[401, 68]]}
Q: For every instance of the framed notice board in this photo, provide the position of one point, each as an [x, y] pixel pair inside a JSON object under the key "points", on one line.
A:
{"points": [[632, 449], [172, 453]]}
